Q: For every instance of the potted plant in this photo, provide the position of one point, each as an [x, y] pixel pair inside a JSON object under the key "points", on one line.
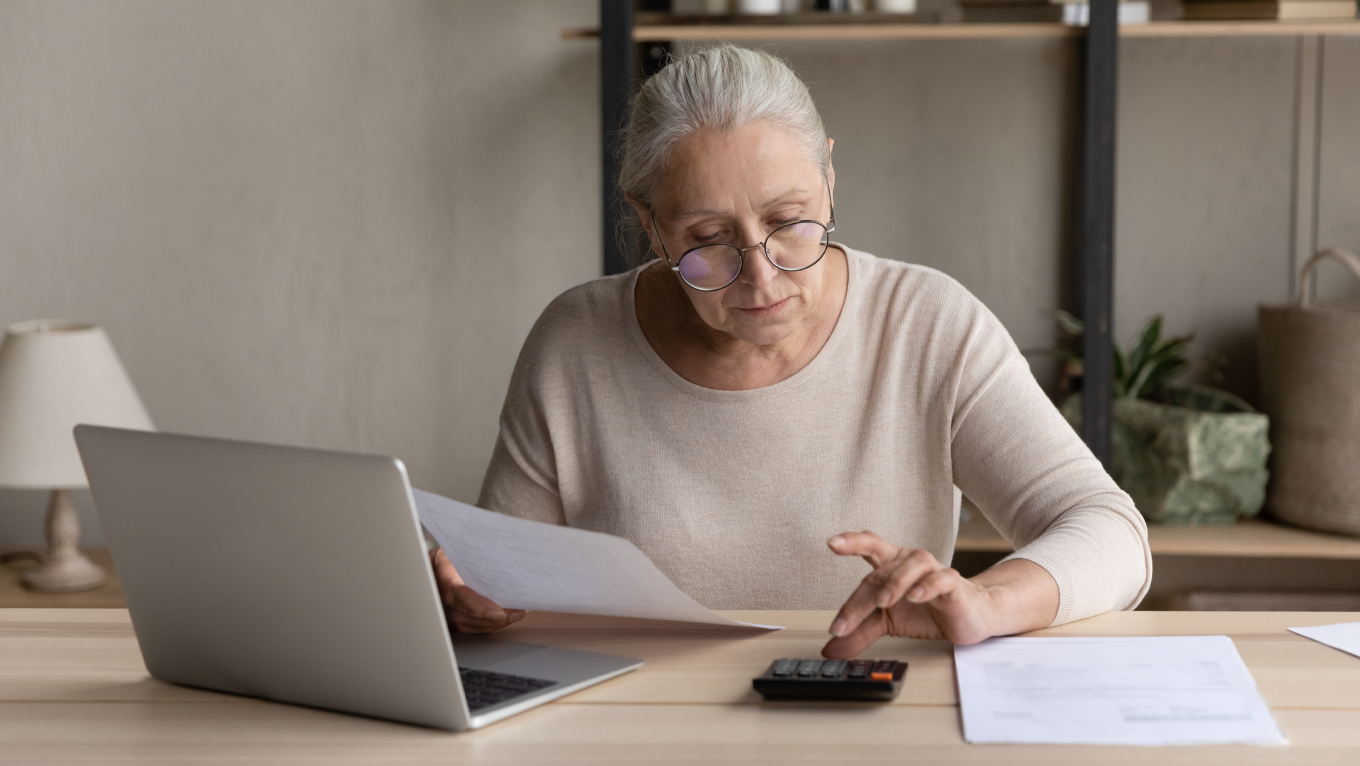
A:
{"points": [[1186, 454]]}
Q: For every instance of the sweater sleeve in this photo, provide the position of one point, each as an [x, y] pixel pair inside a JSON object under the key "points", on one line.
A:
{"points": [[1015, 456], [521, 479]]}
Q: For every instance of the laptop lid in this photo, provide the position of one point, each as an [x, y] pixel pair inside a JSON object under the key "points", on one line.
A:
{"points": [[292, 574]]}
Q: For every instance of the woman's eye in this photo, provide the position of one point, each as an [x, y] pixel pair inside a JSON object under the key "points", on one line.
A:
{"points": [[705, 236]]}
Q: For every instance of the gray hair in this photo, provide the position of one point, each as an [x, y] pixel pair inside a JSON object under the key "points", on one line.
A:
{"points": [[720, 87]]}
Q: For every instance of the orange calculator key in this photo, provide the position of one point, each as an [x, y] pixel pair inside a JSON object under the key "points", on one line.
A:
{"points": [[881, 676]]}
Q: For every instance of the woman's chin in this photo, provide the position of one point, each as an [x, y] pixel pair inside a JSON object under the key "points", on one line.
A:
{"points": [[761, 332]]}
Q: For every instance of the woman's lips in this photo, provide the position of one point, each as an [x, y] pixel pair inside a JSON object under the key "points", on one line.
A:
{"points": [[764, 311]]}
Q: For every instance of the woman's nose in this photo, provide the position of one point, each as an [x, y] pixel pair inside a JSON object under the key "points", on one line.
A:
{"points": [[756, 269]]}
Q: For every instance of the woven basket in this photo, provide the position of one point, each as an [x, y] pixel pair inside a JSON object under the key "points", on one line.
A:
{"points": [[1310, 388]]}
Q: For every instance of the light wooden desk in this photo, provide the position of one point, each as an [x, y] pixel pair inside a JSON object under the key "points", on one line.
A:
{"points": [[73, 689]]}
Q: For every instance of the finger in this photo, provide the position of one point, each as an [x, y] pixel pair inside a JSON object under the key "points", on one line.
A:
{"points": [[905, 575], [869, 631], [941, 582], [466, 610], [464, 623], [473, 629], [870, 546], [882, 588], [470, 603], [860, 606], [443, 568]]}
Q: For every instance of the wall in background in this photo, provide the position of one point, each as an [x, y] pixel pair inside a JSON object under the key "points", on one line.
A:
{"points": [[332, 222], [323, 223], [1338, 183], [958, 155]]}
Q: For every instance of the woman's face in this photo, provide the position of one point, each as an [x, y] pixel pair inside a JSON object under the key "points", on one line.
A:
{"points": [[735, 188]]}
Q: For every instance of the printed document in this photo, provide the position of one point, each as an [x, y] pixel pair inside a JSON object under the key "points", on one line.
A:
{"points": [[1345, 636], [1165, 690], [523, 564]]}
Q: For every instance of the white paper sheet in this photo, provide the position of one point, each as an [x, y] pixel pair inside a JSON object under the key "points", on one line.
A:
{"points": [[1344, 636], [523, 564], [1165, 690]]}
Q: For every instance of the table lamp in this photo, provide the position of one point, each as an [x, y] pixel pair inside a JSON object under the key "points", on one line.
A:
{"points": [[53, 376]]}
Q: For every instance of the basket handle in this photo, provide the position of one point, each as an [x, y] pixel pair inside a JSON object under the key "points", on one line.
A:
{"points": [[1347, 259]]}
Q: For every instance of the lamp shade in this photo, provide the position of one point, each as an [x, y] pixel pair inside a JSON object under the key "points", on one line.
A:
{"points": [[55, 375]]}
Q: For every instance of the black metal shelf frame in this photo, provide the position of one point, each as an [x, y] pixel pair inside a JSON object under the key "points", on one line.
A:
{"points": [[1094, 214]]}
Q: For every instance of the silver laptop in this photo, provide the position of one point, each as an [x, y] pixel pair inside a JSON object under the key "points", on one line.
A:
{"points": [[301, 576]]}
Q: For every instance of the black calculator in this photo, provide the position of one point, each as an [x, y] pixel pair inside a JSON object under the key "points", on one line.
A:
{"points": [[832, 679]]}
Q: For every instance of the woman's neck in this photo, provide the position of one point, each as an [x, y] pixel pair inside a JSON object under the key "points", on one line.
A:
{"points": [[714, 359]]}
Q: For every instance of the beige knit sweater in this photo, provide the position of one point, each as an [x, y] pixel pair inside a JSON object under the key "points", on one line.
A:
{"points": [[918, 391]]}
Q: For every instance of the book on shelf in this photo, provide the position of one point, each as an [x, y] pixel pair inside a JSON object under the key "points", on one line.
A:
{"points": [[1283, 10], [1067, 12]]}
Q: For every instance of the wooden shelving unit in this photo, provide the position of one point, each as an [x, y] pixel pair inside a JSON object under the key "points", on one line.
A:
{"points": [[13, 595], [1252, 538], [947, 31], [737, 33]]}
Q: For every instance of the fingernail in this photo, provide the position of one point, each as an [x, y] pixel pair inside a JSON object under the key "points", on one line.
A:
{"points": [[494, 614], [883, 599], [838, 628], [836, 541], [917, 594]]}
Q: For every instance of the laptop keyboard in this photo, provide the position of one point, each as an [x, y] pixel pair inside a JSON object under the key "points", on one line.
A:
{"points": [[484, 688]]}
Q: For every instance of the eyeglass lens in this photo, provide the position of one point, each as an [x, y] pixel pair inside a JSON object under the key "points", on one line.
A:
{"points": [[793, 247]]}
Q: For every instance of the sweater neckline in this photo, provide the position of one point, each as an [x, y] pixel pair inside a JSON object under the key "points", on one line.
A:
{"points": [[795, 380]]}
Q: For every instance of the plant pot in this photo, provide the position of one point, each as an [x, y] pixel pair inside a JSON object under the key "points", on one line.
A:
{"points": [[1199, 459]]}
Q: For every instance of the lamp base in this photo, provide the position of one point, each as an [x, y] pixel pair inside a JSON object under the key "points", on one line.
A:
{"points": [[64, 569], [66, 575]]}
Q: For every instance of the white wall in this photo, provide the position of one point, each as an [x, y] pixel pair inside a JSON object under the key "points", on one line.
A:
{"points": [[331, 222], [323, 223]]}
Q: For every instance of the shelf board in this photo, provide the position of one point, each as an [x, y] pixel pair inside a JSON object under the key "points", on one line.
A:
{"points": [[950, 31], [1252, 538], [13, 595]]}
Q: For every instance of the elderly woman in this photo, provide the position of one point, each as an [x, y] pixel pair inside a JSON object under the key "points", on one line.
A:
{"points": [[754, 390]]}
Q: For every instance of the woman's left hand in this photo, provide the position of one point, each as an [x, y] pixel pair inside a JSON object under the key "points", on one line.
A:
{"points": [[911, 594]]}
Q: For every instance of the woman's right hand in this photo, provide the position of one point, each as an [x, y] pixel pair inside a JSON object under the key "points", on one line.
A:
{"points": [[466, 610]]}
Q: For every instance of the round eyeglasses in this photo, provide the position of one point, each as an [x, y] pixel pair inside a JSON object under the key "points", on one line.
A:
{"points": [[792, 247]]}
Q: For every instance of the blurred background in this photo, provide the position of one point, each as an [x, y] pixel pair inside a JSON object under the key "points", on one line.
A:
{"points": [[332, 222]]}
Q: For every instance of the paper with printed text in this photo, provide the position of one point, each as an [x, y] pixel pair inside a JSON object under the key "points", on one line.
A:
{"points": [[1163, 690]]}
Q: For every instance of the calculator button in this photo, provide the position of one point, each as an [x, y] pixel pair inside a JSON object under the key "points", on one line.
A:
{"points": [[860, 668], [785, 667], [809, 667], [833, 668]]}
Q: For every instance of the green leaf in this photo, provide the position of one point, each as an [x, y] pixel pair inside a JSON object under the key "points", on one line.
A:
{"points": [[1147, 340], [1160, 374], [1165, 360], [1069, 323]]}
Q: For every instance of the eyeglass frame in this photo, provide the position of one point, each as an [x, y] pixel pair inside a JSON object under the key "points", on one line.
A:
{"points": [[829, 227]]}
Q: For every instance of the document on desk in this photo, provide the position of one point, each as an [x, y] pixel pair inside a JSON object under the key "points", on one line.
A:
{"points": [[1344, 636], [1164, 690], [523, 564]]}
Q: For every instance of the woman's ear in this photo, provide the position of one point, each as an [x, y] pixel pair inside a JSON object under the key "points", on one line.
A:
{"points": [[648, 225]]}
